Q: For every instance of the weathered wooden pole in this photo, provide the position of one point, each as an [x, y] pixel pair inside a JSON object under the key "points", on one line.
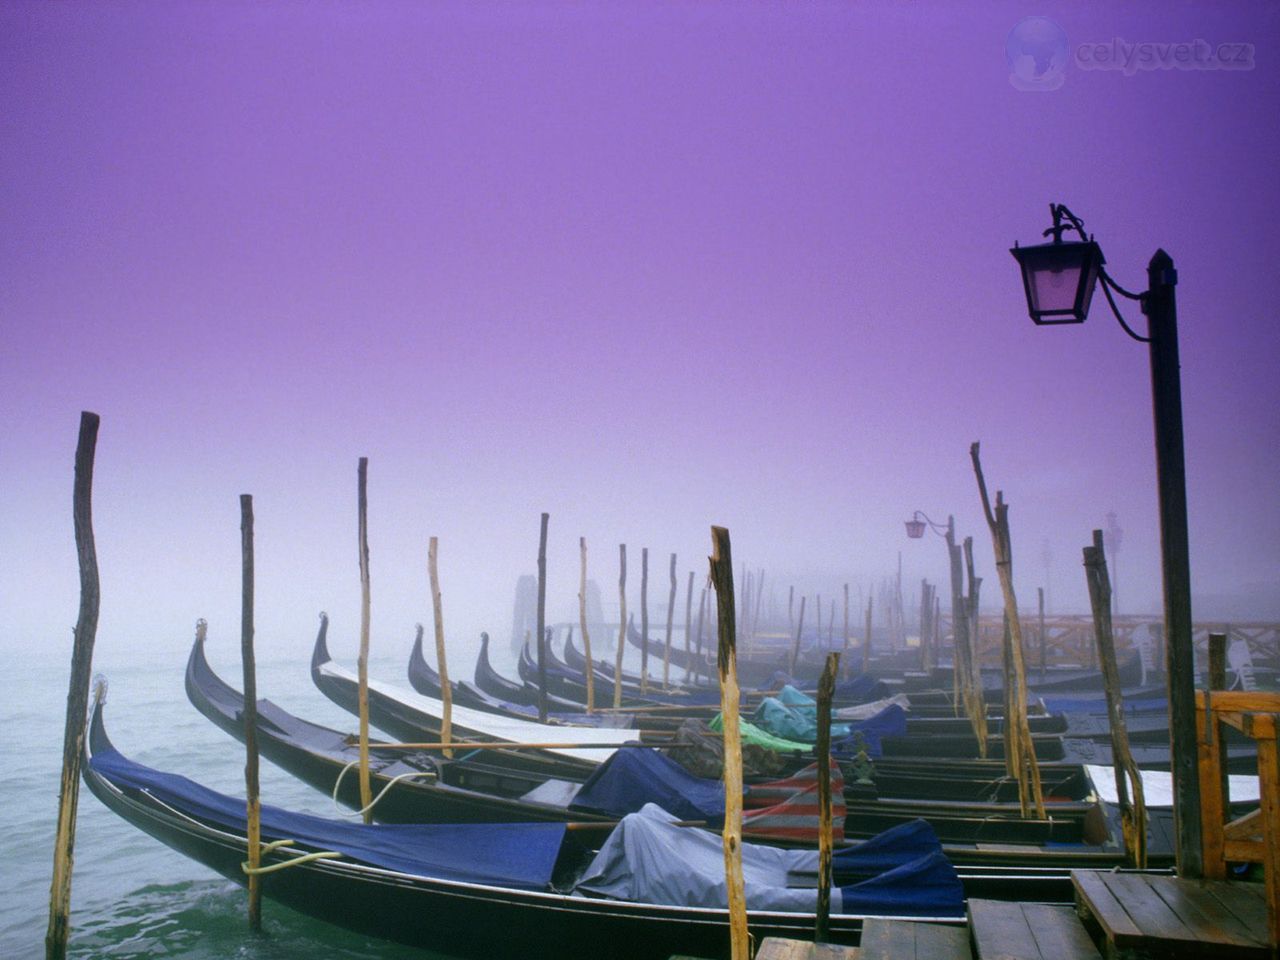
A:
{"points": [[582, 620], [442, 667], [1030, 794], [791, 608], [644, 620], [622, 625], [727, 661], [826, 692], [975, 699], [745, 625], [759, 593], [688, 626], [1133, 816], [542, 620], [55, 940], [702, 608], [795, 647], [362, 663], [671, 612], [1040, 601], [253, 804], [866, 644]]}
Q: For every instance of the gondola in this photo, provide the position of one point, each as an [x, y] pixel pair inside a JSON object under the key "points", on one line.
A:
{"points": [[502, 890], [412, 717], [426, 680]]}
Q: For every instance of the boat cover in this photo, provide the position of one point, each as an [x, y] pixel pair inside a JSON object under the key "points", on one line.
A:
{"points": [[889, 722], [649, 859], [490, 726], [519, 855], [797, 721], [865, 710], [632, 778], [784, 809], [762, 738]]}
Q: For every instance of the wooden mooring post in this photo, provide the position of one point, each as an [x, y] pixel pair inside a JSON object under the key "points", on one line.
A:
{"points": [[55, 941], [727, 662], [1030, 792], [542, 620], [622, 625], [1133, 816], [582, 622], [671, 612], [644, 620], [442, 666], [253, 803], [795, 647], [822, 749], [362, 663], [688, 626]]}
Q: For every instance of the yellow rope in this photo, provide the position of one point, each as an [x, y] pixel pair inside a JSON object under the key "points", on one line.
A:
{"points": [[303, 858], [381, 793]]}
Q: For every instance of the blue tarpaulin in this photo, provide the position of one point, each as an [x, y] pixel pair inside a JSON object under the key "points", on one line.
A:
{"points": [[519, 855], [889, 722], [631, 778], [885, 851]]}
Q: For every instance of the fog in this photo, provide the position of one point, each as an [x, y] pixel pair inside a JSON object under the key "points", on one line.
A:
{"points": [[646, 269]]}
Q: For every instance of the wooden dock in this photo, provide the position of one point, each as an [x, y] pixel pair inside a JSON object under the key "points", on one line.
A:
{"points": [[1135, 915]]}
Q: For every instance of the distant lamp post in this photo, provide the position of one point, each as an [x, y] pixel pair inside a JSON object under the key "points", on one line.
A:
{"points": [[917, 524], [1058, 279]]}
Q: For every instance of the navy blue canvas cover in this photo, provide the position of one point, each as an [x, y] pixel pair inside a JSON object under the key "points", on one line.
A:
{"points": [[633, 777], [889, 722], [519, 855], [885, 851]]}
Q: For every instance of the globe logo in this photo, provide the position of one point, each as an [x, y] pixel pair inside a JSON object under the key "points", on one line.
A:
{"points": [[1037, 52]]}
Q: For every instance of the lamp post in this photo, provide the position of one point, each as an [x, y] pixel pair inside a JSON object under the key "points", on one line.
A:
{"points": [[915, 530], [1059, 278]]}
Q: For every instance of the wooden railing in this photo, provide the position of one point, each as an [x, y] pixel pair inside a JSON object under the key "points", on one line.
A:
{"points": [[1069, 639], [1254, 837]]}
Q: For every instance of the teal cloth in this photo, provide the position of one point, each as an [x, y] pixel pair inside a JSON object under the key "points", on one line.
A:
{"points": [[793, 723]]}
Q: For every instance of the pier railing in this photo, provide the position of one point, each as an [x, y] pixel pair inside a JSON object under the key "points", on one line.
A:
{"points": [[1068, 639], [1254, 837]]}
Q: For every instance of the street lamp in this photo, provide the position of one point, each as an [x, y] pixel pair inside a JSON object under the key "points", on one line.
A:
{"points": [[1049, 271], [916, 525]]}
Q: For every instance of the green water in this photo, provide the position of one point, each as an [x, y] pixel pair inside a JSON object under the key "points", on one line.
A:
{"points": [[132, 897]]}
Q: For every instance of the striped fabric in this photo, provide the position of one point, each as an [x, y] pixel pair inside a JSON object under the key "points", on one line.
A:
{"points": [[788, 809]]}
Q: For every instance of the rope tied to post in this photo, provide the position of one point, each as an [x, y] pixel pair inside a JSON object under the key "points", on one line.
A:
{"points": [[266, 848]]}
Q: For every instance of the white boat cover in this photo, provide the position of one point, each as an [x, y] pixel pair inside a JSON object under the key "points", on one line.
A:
{"points": [[489, 726], [1157, 786], [649, 859]]}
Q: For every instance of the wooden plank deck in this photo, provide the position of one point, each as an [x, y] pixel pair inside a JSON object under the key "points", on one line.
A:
{"points": [[1028, 931], [779, 948], [1168, 917], [908, 940]]}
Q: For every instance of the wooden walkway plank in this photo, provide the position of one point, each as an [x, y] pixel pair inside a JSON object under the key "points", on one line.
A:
{"points": [[1149, 913], [1058, 932], [911, 940], [1245, 902], [781, 948], [1093, 896], [1000, 930], [1203, 913]]}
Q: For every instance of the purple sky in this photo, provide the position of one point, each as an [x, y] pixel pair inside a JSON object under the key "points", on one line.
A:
{"points": [[646, 267]]}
